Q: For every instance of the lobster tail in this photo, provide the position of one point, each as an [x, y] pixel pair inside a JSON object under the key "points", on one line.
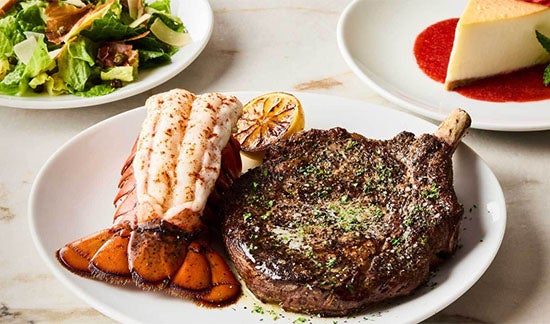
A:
{"points": [[158, 256], [77, 255], [219, 288], [154, 255], [169, 252], [110, 262], [154, 260], [231, 168], [101, 255], [225, 288]]}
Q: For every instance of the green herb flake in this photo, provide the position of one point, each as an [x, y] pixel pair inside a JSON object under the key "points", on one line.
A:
{"points": [[330, 263], [274, 314], [396, 241], [350, 144], [300, 320], [258, 309], [246, 216], [432, 192], [266, 215]]}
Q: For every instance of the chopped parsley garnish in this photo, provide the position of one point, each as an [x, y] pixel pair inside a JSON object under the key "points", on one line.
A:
{"points": [[432, 192], [246, 216], [396, 241], [258, 309], [330, 263], [266, 215], [350, 144]]}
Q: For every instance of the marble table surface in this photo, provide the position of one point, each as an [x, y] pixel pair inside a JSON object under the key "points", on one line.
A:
{"points": [[274, 45]]}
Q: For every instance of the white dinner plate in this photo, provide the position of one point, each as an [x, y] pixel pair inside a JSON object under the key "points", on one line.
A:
{"points": [[376, 39], [196, 15], [73, 193]]}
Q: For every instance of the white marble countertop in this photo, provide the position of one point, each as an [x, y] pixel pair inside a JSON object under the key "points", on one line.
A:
{"points": [[274, 45]]}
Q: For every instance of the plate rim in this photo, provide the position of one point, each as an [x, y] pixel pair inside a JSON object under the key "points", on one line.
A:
{"points": [[119, 316], [417, 108], [47, 102]]}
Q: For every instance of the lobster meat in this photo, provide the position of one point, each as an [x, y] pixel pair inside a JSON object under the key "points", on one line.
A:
{"points": [[170, 188]]}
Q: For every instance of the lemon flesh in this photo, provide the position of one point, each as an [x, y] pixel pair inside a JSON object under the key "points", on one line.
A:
{"points": [[268, 119]]}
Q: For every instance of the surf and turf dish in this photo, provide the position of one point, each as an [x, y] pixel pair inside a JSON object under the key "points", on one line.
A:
{"points": [[329, 223]]}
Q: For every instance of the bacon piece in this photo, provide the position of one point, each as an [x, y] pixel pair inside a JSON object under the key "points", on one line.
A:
{"points": [[116, 54]]}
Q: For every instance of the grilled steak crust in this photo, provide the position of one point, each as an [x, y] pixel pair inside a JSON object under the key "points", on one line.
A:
{"points": [[332, 222]]}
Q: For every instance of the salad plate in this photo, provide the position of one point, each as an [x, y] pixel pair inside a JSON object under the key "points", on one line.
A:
{"points": [[197, 17], [376, 39], [72, 196]]}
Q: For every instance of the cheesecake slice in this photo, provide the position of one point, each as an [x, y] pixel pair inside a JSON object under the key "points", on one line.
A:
{"points": [[496, 37]]}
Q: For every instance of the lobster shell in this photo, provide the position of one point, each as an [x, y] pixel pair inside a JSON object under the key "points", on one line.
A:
{"points": [[159, 255]]}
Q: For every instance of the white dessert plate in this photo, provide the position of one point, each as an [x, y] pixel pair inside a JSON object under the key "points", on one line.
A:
{"points": [[376, 39], [73, 193], [196, 15]]}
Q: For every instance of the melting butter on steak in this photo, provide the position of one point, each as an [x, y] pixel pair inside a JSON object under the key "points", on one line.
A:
{"points": [[332, 221]]}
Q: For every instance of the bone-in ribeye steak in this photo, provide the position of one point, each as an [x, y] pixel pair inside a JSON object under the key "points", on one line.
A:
{"points": [[332, 222]]}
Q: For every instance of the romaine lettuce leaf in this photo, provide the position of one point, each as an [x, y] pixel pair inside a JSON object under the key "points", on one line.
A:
{"points": [[122, 73], [4, 67], [30, 17], [153, 50], [40, 61], [15, 81], [75, 63], [110, 28], [148, 59], [6, 47], [171, 21], [160, 5], [97, 90], [41, 78], [9, 35], [55, 85]]}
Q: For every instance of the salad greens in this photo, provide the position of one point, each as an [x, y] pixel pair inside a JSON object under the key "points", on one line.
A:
{"points": [[84, 47]]}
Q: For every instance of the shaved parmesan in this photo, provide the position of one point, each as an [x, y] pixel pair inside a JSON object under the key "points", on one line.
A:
{"points": [[30, 34], [168, 35], [140, 20], [55, 53], [76, 3], [24, 50]]}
